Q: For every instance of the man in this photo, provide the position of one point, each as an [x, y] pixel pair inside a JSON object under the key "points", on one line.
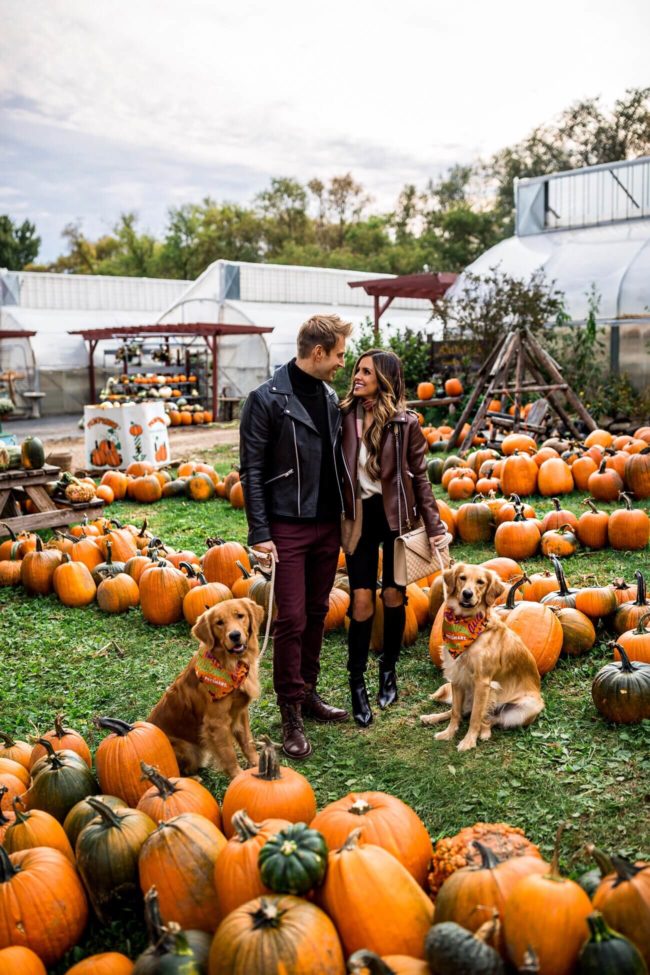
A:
{"points": [[289, 453]]}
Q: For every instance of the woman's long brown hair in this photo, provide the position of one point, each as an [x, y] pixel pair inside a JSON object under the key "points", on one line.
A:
{"points": [[390, 400]]}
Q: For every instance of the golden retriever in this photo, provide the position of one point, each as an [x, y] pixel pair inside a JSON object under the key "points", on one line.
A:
{"points": [[202, 727], [495, 679]]}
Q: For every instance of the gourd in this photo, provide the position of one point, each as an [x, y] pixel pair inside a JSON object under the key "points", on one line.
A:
{"points": [[293, 861], [32, 453]]}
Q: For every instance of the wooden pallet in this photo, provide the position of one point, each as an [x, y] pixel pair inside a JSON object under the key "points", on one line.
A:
{"points": [[15, 484]]}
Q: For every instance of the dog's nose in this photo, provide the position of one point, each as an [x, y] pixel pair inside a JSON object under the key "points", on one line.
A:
{"points": [[467, 593], [235, 636]]}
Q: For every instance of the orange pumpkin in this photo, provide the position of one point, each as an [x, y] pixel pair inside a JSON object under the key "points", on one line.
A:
{"points": [[162, 591], [220, 561], [425, 390], [118, 757], [623, 896], [106, 963], [62, 738], [21, 961], [540, 631]]}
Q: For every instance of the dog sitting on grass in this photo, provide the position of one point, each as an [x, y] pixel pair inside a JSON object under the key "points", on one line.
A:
{"points": [[492, 676]]}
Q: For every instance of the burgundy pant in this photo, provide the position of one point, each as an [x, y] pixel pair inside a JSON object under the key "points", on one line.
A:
{"points": [[307, 554]]}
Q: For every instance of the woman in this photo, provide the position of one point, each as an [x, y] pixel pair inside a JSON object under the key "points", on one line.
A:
{"points": [[386, 493]]}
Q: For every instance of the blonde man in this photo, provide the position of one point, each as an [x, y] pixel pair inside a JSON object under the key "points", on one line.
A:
{"points": [[290, 469]]}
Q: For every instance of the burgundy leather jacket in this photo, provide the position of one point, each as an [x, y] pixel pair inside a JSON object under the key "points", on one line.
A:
{"points": [[408, 498]]}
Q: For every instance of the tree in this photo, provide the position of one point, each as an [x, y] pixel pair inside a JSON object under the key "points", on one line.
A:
{"points": [[284, 205], [19, 244]]}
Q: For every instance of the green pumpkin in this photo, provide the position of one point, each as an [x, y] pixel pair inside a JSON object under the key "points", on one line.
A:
{"points": [[9, 457], [107, 852], [451, 950], [82, 813], [434, 470], [59, 781], [294, 860], [32, 453], [608, 953], [171, 951], [175, 489], [590, 881]]}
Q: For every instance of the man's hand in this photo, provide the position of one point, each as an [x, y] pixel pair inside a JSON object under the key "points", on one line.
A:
{"points": [[267, 548]]}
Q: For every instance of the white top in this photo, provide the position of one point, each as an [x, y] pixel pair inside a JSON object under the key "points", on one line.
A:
{"points": [[367, 484]]}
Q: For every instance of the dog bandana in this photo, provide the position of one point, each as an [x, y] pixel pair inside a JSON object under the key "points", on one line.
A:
{"points": [[220, 681], [459, 632]]}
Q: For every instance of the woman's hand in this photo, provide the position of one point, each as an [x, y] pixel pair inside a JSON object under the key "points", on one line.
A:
{"points": [[440, 549]]}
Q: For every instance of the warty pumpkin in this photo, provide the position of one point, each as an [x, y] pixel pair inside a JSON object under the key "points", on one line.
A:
{"points": [[271, 791], [36, 884], [179, 859], [35, 827], [270, 935], [168, 797], [374, 901], [236, 873], [107, 850], [623, 897], [386, 821]]}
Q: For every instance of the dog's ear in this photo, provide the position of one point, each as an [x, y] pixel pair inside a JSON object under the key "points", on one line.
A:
{"points": [[496, 587], [256, 614], [202, 631], [450, 575]]}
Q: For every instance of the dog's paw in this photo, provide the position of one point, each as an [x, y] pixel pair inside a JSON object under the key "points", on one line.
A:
{"points": [[486, 733], [467, 744], [446, 735]]}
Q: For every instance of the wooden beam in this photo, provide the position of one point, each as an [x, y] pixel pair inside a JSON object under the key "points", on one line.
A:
{"points": [[499, 373], [536, 369], [556, 375], [476, 392]]}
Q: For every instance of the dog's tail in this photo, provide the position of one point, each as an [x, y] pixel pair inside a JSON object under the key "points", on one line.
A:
{"points": [[518, 714]]}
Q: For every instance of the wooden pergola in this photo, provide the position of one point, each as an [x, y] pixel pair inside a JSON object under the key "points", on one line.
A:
{"points": [[208, 331], [427, 286]]}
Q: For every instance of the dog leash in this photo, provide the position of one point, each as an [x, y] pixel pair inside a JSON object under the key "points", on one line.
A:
{"points": [[263, 557], [443, 567]]}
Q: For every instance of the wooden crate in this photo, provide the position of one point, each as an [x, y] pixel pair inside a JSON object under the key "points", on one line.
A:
{"points": [[15, 484]]}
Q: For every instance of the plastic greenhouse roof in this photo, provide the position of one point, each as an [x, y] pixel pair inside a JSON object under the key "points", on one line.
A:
{"points": [[615, 257]]}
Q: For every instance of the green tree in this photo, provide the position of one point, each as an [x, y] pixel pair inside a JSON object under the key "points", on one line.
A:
{"points": [[19, 243], [284, 207]]}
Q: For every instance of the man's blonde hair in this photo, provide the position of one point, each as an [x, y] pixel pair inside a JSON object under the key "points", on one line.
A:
{"points": [[321, 330]]}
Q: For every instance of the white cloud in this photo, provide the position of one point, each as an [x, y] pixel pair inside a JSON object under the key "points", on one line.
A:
{"points": [[199, 96]]}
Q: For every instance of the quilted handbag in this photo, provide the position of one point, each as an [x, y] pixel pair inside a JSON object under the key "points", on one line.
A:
{"points": [[414, 558]]}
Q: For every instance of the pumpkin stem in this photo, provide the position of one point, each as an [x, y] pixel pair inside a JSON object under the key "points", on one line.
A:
{"points": [[590, 504], [7, 739], [191, 573], [510, 600], [641, 599], [627, 500], [598, 928], [39, 544], [20, 816], [54, 760], [165, 786], [115, 725], [269, 766], [143, 530], [9, 529], [244, 826], [488, 858], [242, 568], [59, 730], [360, 807], [556, 503], [107, 814], [561, 578], [156, 931], [625, 869], [363, 959], [626, 665], [488, 932], [531, 962], [352, 841], [604, 862], [7, 869], [213, 542], [268, 915], [641, 625]]}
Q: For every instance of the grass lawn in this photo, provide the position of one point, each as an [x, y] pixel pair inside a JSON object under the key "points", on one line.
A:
{"points": [[570, 765]]}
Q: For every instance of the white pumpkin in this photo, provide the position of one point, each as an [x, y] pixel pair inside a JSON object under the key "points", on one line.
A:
{"points": [[165, 392]]}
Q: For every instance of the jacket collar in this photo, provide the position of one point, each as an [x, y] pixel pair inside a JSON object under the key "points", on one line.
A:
{"points": [[281, 386]]}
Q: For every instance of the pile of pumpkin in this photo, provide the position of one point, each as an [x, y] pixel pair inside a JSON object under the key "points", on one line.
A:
{"points": [[141, 482], [268, 884], [518, 533], [122, 566], [602, 465]]}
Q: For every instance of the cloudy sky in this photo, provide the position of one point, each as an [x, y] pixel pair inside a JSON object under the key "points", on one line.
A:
{"points": [[118, 105]]}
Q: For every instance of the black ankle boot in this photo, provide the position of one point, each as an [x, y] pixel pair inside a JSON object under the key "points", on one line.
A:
{"points": [[387, 688], [361, 711]]}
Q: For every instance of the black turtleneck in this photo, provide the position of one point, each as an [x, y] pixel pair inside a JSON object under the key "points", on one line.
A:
{"points": [[311, 393]]}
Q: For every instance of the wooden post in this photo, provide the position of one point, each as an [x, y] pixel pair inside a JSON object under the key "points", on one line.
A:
{"points": [[536, 369], [556, 375], [92, 345], [476, 392], [499, 370], [377, 314], [519, 375], [215, 377]]}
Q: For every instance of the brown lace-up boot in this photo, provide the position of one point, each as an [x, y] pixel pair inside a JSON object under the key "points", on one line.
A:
{"points": [[313, 706], [295, 743]]}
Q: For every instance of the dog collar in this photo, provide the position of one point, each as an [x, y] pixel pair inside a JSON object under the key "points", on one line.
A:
{"points": [[219, 680], [459, 632]]}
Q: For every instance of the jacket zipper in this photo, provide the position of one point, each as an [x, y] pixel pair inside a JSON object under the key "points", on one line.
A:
{"points": [[295, 444], [278, 476], [354, 500], [336, 471], [400, 481]]}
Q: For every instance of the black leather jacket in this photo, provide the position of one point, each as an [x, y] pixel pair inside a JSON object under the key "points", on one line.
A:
{"points": [[280, 454]]}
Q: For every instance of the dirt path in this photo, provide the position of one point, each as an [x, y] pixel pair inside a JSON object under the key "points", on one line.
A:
{"points": [[185, 444]]}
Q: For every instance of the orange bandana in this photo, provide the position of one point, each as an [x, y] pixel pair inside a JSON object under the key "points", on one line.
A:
{"points": [[459, 632], [220, 681]]}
